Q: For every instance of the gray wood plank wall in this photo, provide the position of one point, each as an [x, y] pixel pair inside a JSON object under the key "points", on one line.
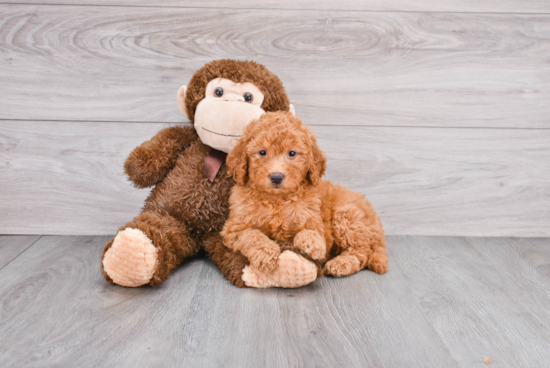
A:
{"points": [[438, 111], [461, 6]]}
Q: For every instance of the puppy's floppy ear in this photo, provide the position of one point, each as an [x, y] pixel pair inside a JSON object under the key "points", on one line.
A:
{"points": [[237, 162], [317, 162]]}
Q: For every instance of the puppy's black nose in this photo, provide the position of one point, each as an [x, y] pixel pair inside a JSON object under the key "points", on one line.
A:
{"points": [[277, 178]]}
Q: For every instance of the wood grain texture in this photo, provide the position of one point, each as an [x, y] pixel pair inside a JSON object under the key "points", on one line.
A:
{"points": [[486, 6], [340, 68], [429, 181], [519, 259], [474, 304], [443, 304], [12, 246], [67, 177]]}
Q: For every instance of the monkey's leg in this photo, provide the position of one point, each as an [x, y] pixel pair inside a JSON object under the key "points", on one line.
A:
{"points": [[293, 269], [146, 250], [231, 264], [360, 236]]}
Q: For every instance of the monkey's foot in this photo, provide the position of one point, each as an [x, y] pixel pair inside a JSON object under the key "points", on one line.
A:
{"points": [[132, 259], [292, 271]]}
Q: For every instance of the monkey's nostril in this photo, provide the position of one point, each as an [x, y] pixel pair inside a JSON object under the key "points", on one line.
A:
{"points": [[277, 178]]}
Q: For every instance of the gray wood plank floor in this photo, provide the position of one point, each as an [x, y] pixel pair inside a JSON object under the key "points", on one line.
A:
{"points": [[11, 246], [446, 302]]}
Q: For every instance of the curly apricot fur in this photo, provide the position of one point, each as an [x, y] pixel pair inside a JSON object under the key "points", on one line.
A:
{"points": [[323, 220]]}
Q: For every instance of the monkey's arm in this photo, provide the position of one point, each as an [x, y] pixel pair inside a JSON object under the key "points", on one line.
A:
{"points": [[150, 162], [262, 252]]}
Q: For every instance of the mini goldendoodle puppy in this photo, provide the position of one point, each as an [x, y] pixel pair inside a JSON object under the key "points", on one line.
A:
{"points": [[280, 196]]}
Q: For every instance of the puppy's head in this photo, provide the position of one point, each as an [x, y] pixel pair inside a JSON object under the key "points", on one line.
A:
{"points": [[277, 154]]}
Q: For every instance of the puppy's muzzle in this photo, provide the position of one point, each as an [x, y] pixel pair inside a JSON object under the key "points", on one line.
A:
{"points": [[277, 178]]}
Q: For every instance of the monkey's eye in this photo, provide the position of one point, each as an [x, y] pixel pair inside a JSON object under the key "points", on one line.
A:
{"points": [[219, 92], [248, 97], [263, 153]]}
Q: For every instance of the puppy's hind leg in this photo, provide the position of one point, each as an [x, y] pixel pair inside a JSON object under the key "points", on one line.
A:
{"points": [[359, 234]]}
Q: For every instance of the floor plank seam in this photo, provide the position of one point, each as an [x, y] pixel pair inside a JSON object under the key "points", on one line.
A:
{"points": [[277, 9], [24, 250], [309, 124]]}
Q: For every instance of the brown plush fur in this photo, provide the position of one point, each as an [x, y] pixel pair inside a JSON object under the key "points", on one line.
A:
{"points": [[323, 220], [185, 211], [230, 263]]}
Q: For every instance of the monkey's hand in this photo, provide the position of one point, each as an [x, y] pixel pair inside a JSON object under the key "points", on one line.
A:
{"points": [[149, 163], [311, 243]]}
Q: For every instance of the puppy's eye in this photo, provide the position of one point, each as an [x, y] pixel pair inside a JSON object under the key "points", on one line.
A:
{"points": [[263, 153], [219, 92], [292, 154], [248, 97]]}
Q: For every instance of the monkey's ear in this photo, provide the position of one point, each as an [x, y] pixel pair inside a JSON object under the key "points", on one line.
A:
{"points": [[318, 161], [181, 101], [237, 162], [291, 109]]}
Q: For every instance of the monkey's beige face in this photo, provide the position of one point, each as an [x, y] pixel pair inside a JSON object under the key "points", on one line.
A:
{"points": [[227, 108]]}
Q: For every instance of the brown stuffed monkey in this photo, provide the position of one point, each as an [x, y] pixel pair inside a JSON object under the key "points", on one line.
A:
{"points": [[188, 204]]}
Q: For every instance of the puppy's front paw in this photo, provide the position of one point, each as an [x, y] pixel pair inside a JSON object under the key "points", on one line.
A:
{"points": [[311, 243], [292, 271], [265, 259], [342, 265]]}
